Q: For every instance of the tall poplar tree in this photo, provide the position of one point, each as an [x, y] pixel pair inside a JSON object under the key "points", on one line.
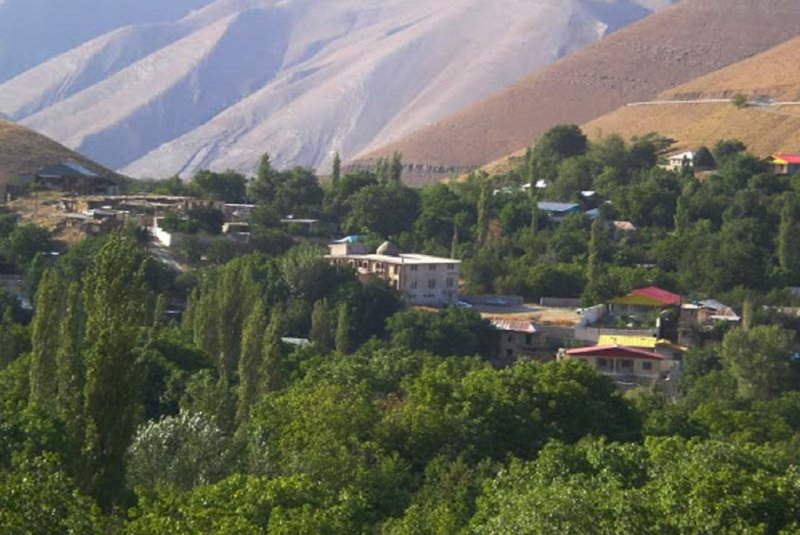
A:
{"points": [[396, 167], [45, 341], [454, 245], [272, 353], [788, 242], [70, 368], [322, 325], [8, 349], [115, 300], [594, 292], [250, 362], [344, 342], [681, 217], [336, 175], [483, 214]]}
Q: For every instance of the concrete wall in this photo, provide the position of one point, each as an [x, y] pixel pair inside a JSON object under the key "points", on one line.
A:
{"points": [[560, 302]]}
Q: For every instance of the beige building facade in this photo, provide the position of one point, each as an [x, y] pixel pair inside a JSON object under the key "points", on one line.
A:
{"points": [[421, 279]]}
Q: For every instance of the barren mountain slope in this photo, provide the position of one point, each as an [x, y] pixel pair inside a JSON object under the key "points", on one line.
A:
{"points": [[296, 78], [33, 31], [773, 75], [23, 151], [678, 44]]}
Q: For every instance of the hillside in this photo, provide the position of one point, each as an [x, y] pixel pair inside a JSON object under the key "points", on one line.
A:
{"points": [[159, 91], [674, 46], [23, 151], [765, 129]]}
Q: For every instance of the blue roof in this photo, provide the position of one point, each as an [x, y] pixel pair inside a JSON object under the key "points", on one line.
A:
{"points": [[350, 239], [558, 207]]}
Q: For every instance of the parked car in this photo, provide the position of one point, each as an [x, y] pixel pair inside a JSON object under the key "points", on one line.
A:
{"points": [[461, 304], [496, 302]]}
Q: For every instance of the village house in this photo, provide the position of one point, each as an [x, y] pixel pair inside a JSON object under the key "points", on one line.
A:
{"points": [[684, 160], [628, 367], [74, 178], [516, 339], [701, 317], [643, 304], [557, 211], [785, 164], [420, 279]]}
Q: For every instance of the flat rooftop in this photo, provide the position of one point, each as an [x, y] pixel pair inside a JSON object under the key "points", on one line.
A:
{"points": [[406, 259]]}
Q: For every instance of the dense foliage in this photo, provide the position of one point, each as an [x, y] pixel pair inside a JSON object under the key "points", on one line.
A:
{"points": [[115, 417]]}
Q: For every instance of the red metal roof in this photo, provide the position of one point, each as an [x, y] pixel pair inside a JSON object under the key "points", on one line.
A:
{"points": [[789, 158], [659, 295], [614, 351]]}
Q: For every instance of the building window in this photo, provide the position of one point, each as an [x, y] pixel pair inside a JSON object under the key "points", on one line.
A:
{"points": [[431, 283], [528, 339], [626, 364], [451, 267], [432, 267], [414, 284], [450, 283], [647, 366], [510, 338], [414, 268], [602, 363], [509, 353]]}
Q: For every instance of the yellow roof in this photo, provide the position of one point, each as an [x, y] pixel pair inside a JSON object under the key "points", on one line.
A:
{"points": [[643, 342]]}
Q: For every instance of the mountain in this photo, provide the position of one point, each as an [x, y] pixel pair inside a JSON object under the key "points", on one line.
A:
{"points": [[674, 46], [768, 78], [23, 152], [172, 87]]}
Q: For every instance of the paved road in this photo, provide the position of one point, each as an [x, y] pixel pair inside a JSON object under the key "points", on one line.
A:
{"points": [[754, 104]]}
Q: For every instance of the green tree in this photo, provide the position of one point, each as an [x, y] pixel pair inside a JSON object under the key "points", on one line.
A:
{"points": [[454, 331], [24, 243], [594, 292], [725, 149], [396, 167], [115, 298], [262, 189], [344, 344], [322, 326], [38, 497], [298, 193], [70, 367], [483, 215], [45, 341], [272, 376], [703, 159], [250, 362], [740, 100], [371, 204], [682, 219], [228, 186], [179, 451], [788, 242], [336, 175], [557, 144], [760, 359]]}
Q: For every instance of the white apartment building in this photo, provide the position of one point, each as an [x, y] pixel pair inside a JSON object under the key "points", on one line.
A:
{"points": [[420, 279]]}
